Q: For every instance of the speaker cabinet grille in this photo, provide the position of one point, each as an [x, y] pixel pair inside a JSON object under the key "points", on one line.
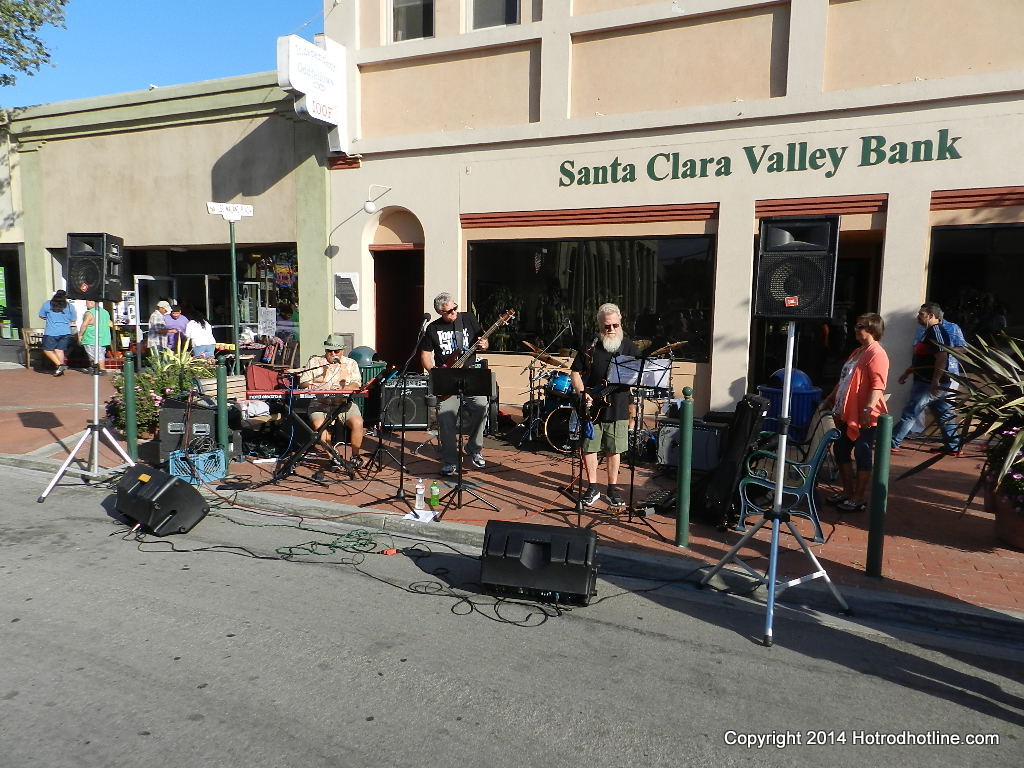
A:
{"points": [[95, 267], [796, 268], [412, 403]]}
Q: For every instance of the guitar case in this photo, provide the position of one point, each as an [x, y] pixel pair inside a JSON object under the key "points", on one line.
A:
{"points": [[714, 494]]}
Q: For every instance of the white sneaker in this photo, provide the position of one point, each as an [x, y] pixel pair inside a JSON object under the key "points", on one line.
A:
{"points": [[477, 460]]}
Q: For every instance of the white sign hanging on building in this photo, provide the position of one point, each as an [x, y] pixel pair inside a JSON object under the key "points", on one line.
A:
{"points": [[315, 73]]}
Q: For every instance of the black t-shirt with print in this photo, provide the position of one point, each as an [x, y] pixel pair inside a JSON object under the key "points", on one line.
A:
{"points": [[595, 374], [445, 338]]}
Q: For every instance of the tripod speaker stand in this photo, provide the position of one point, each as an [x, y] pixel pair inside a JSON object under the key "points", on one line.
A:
{"points": [[93, 431], [463, 383]]}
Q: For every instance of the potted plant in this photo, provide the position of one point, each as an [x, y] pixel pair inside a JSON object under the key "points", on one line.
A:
{"points": [[167, 373], [991, 405]]}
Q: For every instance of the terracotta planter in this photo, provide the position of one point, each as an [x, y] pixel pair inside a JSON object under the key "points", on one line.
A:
{"points": [[1009, 520]]}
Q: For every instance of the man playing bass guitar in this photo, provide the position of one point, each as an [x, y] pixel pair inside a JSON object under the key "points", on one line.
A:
{"points": [[444, 342], [611, 427]]}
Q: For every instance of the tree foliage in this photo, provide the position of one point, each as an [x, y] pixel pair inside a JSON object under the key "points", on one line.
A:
{"points": [[21, 50]]}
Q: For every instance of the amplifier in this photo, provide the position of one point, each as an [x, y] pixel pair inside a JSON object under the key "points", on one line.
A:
{"points": [[708, 443], [410, 403]]}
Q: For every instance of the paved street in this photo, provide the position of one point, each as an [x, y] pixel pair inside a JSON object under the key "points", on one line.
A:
{"points": [[191, 650]]}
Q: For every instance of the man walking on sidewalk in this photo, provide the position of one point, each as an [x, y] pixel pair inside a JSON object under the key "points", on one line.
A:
{"points": [[930, 387]]}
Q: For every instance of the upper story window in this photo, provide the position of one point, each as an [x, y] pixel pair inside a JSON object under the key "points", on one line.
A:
{"points": [[495, 13], [412, 19]]}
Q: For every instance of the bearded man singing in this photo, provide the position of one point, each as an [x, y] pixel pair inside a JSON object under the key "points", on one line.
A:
{"points": [[611, 427]]}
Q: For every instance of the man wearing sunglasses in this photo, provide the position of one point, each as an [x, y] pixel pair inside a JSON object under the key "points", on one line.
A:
{"points": [[611, 429], [444, 340]]}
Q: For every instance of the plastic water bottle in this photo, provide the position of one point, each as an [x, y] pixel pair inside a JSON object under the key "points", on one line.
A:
{"points": [[420, 493], [435, 495]]}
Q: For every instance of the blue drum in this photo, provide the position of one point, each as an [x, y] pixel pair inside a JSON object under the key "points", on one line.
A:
{"points": [[560, 386]]}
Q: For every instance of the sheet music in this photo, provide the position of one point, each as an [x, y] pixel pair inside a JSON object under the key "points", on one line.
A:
{"points": [[624, 369]]}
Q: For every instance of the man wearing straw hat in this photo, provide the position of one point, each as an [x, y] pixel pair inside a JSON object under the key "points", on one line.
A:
{"points": [[333, 371]]}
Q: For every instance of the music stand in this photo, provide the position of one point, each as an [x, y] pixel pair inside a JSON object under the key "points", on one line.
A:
{"points": [[463, 383]]}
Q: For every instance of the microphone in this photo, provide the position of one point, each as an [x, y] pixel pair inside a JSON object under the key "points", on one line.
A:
{"points": [[426, 322]]}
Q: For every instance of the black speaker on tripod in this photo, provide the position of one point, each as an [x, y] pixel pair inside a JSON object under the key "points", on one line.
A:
{"points": [[796, 268], [95, 267]]}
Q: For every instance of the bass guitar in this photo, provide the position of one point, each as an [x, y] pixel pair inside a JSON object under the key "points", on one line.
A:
{"points": [[455, 360]]}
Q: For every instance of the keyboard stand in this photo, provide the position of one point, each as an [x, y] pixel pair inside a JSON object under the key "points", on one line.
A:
{"points": [[286, 463]]}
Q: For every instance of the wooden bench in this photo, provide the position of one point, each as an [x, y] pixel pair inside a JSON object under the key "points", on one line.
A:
{"points": [[32, 342], [235, 387]]}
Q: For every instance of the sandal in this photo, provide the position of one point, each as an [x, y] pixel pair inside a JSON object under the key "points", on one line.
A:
{"points": [[836, 498], [851, 506]]}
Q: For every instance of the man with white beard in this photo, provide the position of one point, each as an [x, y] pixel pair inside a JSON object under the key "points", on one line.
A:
{"points": [[611, 426]]}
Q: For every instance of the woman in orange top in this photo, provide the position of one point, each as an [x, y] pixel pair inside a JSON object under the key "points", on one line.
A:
{"points": [[857, 401]]}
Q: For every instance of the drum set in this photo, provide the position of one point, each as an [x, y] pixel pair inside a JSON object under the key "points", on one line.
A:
{"points": [[549, 415]]}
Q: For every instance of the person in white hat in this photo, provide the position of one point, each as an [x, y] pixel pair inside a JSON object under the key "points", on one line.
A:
{"points": [[157, 338], [334, 371]]}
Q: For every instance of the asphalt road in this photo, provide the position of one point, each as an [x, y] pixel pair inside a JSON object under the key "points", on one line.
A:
{"points": [[194, 650]]}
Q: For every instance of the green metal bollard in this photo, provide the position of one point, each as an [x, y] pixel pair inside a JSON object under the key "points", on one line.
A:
{"points": [[131, 418], [685, 466], [222, 413], [879, 496]]}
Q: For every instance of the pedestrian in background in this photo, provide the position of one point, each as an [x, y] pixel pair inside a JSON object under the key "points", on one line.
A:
{"points": [[96, 316], [857, 401], [200, 333], [59, 315], [930, 387]]}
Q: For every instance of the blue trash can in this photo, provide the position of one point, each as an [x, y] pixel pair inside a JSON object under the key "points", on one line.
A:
{"points": [[804, 399]]}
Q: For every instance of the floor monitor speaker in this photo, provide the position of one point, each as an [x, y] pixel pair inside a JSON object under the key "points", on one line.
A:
{"points": [[161, 503], [543, 561]]}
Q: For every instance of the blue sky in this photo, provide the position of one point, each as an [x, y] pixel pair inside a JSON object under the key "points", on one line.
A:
{"points": [[111, 46]]}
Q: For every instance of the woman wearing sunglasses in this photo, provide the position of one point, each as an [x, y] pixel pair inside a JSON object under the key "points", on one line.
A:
{"points": [[856, 402]]}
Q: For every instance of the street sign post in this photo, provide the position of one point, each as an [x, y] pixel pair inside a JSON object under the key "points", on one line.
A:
{"points": [[231, 213]]}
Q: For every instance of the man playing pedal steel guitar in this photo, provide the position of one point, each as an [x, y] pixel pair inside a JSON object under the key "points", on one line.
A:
{"points": [[443, 341], [333, 371], [611, 427]]}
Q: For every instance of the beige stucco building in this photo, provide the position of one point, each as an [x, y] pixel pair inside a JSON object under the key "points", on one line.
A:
{"points": [[585, 151]]}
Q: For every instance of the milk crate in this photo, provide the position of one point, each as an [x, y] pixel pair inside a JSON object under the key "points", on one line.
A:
{"points": [[197, 468]]}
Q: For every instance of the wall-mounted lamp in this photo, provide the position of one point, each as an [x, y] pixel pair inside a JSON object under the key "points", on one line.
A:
{"points": [[370, 206]]}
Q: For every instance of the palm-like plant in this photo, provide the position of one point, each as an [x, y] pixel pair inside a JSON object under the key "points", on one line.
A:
{"points": [[991, 405]]}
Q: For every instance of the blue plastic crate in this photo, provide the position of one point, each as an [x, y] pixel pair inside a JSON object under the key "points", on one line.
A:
{"points": [[197, 468]]}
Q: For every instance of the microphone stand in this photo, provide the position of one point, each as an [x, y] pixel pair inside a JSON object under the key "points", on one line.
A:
{"points": [[400, 494], [536, 415]]}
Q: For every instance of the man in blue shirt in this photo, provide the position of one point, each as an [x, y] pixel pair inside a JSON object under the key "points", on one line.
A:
{"points": [[930, 387]]}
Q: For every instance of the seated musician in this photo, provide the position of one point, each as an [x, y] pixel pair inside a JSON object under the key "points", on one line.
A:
{"points": [[334, 371], [611, 427], [444, 341]]}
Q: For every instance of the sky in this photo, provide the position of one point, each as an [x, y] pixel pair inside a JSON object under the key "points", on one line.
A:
{"points": [[113, 46]]}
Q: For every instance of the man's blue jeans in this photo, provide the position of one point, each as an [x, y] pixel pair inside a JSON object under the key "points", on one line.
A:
{"points": [[921, 398]]}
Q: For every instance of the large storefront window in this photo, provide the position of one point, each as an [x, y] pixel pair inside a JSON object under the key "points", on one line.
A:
{"points": [[976, 274], [664, 286]]}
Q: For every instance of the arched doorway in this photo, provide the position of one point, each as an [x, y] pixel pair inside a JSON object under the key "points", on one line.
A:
{"points": [[397, 251]]}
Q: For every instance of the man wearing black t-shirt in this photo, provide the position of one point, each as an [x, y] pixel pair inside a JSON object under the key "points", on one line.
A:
{"points": [[444, 341], [611, 428]]}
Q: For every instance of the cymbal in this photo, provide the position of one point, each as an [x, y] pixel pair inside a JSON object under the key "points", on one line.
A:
{"points": [[666, 348], [544, 357]]}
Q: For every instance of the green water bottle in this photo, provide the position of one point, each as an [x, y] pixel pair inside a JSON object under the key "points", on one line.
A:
{"points": [[435, 495]]}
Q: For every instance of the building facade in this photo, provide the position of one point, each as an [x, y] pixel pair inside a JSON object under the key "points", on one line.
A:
{"points": [[549, 156], [559, 154]]}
